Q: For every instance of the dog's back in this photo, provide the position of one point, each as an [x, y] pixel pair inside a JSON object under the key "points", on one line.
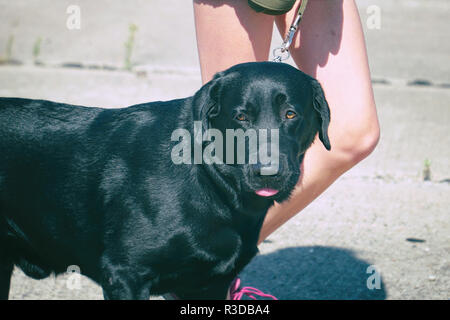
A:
{"points": [[52, 159], [38, 140], [61, 167]]}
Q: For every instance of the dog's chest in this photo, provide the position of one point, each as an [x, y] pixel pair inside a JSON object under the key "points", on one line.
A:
{"points": [[206, 264]]}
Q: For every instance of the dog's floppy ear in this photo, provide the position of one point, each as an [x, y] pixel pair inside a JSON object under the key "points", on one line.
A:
{"points": [[207, 101], [321, 107]]}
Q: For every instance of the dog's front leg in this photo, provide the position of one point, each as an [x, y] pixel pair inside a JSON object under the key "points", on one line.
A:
{"points": [[125, 289], [123, 283], [6, 268], [216, 291]]}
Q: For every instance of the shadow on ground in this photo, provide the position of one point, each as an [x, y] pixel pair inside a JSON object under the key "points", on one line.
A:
{"points": [[312, 273]]}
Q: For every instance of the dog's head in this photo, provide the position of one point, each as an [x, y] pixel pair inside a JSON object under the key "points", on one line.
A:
{"points": [[266, 115]]}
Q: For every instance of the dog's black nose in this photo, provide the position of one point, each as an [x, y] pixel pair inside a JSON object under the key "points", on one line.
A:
{"points": [[255, 169], [259, 169]]}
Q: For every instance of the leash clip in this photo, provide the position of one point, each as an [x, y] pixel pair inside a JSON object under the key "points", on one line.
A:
{"points": [[283, 54], [290, 36], [284, 48]]}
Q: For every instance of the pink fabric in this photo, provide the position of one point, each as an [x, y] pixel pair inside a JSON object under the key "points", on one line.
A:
{"points": [[237, 293]]}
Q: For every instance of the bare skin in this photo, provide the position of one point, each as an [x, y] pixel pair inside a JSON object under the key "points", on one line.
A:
{"points": [[330, 47]]}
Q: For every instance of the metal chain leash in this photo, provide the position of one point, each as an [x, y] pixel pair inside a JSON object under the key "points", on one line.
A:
{"points": [[282, 53]]}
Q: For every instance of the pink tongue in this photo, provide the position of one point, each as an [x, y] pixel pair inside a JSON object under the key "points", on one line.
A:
{"points": [[266, 192]]}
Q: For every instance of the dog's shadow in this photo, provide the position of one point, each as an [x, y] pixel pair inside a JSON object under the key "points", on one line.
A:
{"points": [[314, 273]]}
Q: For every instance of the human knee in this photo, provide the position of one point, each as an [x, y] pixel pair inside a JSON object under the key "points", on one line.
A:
{"points": [[358, 142], [354, 137]]}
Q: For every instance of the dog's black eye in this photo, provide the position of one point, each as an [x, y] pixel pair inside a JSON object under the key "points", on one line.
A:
{"points": [[241, 117], [290, 114]]}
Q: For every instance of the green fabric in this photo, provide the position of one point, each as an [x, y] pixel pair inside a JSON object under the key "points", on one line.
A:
{"points": [[272, 7]]}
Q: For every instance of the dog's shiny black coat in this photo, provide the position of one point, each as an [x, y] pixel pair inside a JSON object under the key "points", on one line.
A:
{"points": [[96, 188]]}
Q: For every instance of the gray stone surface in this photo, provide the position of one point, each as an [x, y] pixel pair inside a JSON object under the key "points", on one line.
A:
{"points": [[364, 219]]}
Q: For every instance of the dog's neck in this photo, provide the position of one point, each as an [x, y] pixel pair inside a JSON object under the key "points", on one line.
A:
{"points": [[230, 191]]}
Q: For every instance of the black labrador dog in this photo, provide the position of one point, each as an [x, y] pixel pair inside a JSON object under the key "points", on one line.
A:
{"points": [[105, 190]]}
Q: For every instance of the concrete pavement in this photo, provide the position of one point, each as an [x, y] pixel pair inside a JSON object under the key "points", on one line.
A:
{"points": [[378, 214]]}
